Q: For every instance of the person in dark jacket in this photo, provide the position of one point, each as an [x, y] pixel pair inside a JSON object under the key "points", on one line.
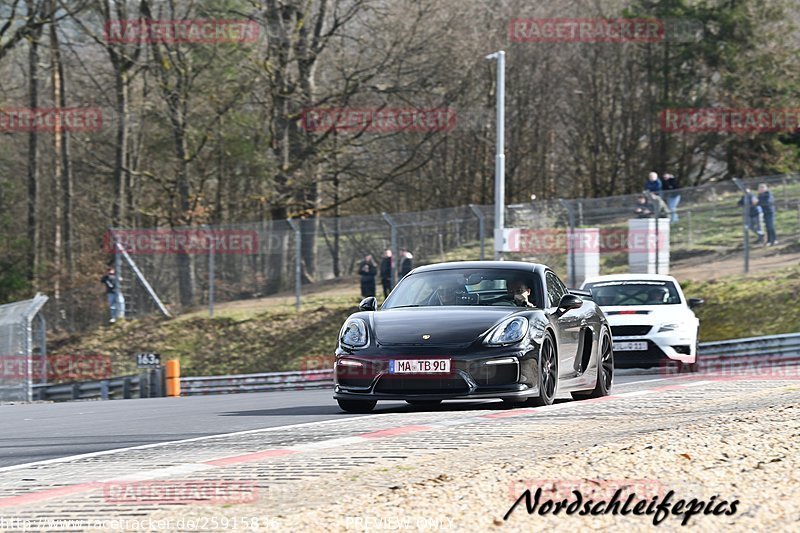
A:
{"points": [[386, 272], [406, 262], [671, 194], [643, 208], [653, 184], [754, 212], [767, 203], [367, 270], [116, 302]]}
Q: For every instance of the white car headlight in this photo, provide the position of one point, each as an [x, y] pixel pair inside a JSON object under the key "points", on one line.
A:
{"points": [[354, 334], [669, 327], [508, 331]]}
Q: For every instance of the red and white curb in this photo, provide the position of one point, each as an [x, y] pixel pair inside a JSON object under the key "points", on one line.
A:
{"points": [[336, 443]]}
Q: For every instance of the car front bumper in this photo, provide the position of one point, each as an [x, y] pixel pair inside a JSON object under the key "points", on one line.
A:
{"points": [[662, 348], [495, 373]]}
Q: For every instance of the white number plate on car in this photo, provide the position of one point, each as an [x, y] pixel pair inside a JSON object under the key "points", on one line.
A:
{"points": [[630, 346], [419, 366]]}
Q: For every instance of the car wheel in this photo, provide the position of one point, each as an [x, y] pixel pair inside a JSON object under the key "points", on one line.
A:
{"points": [[357, 406], [605, 371], [548, 374], [424, 403], [693, 367]]}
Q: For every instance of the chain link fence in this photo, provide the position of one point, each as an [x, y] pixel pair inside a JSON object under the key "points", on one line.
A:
{"points": [[22, 348], [187, 267]]}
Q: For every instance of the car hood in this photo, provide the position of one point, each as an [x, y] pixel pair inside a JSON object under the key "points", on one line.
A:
{"points": [[647, 314], [445, 325]]}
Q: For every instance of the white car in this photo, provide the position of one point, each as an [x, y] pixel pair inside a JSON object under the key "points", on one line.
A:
{"points": [[652, 322]]}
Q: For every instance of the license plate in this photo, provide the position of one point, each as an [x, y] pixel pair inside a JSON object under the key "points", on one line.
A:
{"points": [[630, 346], [419, 366]]}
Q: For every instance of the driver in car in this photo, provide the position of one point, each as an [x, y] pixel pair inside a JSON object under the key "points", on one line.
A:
{"points": [[446, 294], [520, 292]]}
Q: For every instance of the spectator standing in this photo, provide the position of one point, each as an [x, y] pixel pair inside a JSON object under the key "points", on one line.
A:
{"points": [[767, 202], [386, 272], [367, 270], [672, 194], [754, 211], [406, 262], [116, 302], [653, 184]]}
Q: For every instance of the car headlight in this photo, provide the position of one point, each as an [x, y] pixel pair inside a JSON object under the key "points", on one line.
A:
{"points": [[669, 327], [354, 333], [508, 331]]}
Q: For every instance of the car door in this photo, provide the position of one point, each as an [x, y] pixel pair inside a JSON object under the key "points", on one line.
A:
{"points": [[569, 326]]}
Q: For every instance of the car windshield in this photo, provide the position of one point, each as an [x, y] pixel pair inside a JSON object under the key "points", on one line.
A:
{"points": [[609, 293], [465, 287]]}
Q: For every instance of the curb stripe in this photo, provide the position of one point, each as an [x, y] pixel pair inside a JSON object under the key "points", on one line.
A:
{"points": [[47, 494], [248, 457], [392, 432]]}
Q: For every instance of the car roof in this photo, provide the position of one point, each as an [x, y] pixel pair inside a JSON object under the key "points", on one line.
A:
{"points": [[520, 266], [631, 277]]}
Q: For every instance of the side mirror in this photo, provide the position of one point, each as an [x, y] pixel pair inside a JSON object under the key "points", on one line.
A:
{"points": [[368, 304], [570, 301], [695, 302]]}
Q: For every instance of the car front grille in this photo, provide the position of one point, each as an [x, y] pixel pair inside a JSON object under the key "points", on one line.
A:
{"points": [[629, 331], [421, 385]]}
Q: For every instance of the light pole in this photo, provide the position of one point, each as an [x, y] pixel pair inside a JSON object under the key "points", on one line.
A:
{"points": [[500, 158]]}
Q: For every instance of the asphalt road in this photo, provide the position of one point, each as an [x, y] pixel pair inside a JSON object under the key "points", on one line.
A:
{"points": [[42, 431]]}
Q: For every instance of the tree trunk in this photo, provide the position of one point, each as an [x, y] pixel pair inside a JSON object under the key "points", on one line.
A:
{"points": [[120, 177], [65, 177], [33, 162], [58, 169]]}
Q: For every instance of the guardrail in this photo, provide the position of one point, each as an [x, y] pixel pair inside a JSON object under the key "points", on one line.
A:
{"points": [[268, 381], [780, 349], [788, 344], [124, 387]]}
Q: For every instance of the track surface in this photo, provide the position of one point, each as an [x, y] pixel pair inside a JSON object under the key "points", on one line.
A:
{"points": [[36, 432], [328, 470]]}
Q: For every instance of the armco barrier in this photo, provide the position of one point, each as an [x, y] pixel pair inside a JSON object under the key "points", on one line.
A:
{"points": [[301, 379], [771, 349], [107, 389]]}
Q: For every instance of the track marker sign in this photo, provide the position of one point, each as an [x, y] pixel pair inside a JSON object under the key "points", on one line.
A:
{"points": [[148, 360]]}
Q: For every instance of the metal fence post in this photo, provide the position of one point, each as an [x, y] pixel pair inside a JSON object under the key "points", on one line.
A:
{"points": [[211, 266], [658, 217], [745, 223], [571, 231], [118, 271], [393, 228], [298, 267], [798, 217], [689, 228], [482, 227]]}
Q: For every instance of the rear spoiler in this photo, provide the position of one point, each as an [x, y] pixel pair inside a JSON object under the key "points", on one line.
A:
{"points": [[583, 294]]}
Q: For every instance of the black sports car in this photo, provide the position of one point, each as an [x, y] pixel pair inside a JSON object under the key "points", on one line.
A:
{"points": [[474, 330]]}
